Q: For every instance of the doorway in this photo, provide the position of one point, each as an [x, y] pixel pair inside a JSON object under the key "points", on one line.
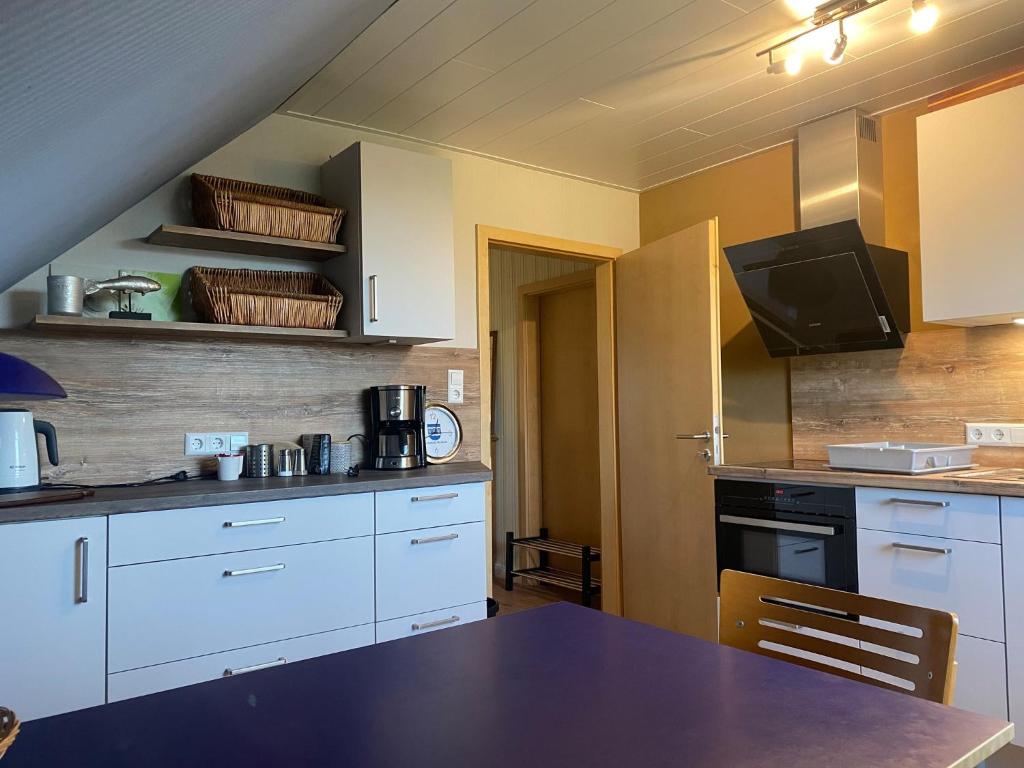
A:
{"points": [[554, 282]]}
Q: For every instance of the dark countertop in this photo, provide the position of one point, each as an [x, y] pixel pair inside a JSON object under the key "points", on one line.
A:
{"points": [[1000, 481], [209, 492], [554, 686]]}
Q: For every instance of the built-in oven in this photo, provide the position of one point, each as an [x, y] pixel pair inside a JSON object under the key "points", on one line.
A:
{"points": [[802, 533]]}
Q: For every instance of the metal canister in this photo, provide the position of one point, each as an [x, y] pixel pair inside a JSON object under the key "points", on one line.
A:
{"points": [[65, 295], [259, 460], [299, 462], [285, 463]]}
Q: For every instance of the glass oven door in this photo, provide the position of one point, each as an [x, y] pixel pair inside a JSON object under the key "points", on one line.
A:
{"points": [[808, 549]]}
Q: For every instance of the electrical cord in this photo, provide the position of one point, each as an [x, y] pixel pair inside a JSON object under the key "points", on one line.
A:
{"points": [[176, 477]]}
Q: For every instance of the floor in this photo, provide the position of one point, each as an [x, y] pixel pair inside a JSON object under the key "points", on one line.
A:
{"points": [[1007, 757]]}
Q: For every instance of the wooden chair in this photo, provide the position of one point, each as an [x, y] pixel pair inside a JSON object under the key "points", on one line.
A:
{"points": [[892, 645]]}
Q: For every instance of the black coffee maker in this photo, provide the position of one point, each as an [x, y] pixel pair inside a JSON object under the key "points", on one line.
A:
{"points": [[396, 426]]}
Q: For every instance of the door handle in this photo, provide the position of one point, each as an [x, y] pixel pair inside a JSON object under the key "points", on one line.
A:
{"points": [[246, 523], [701, 436], [82, 592], [437, 623], [778, 525], [920, 503], [436, 497], [434, 539], [373, 299]]}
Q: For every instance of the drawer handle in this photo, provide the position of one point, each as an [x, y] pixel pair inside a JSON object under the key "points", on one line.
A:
{"points": [[434, 539], [436, 497], [436, 623], [920, 503], [249, 571], [246, 523], [921, 548], [255, 667]]}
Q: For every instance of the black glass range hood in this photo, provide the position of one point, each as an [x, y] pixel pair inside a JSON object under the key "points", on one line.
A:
{"points": [[823, 290]]}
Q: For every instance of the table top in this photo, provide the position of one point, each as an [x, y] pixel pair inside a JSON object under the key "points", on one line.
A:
{"points": [[554, 686]]}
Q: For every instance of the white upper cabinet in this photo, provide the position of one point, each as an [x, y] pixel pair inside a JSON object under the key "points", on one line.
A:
{"points": [[398, 276], [971, 177]]}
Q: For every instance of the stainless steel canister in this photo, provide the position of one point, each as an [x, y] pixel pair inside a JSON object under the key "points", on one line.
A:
{"points": [[259, 460], [285, 463], [299, 462], [65, 295]]}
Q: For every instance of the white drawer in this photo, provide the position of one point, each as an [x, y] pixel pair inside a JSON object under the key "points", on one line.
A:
{"points": [[146, 537], [426, 570], [429, 507], [163, 677], [965, 516], [968, 580], [178, 609], [423, 623]]}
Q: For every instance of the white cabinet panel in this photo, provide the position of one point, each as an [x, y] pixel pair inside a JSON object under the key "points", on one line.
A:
{"points": [[53, 623], [163, 677], [425, 570], [150, 536], [949, 515], [432, 621], [177, 609], [1013, 565], [428, 507], [398, 276], [981, 676], [969, 175], [967, 580]]}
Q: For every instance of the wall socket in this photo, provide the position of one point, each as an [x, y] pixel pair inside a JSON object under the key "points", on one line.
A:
{"points": [[1008, 434], [212, 443], [456, 381]]}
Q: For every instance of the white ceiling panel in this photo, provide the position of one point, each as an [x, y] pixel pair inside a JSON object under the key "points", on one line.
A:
{"points": [[635, 93], [441, 39]]}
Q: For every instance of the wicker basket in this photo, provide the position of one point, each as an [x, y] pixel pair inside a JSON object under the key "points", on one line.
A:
{"points": [[260, 209], [264, 297], [8, 729]]}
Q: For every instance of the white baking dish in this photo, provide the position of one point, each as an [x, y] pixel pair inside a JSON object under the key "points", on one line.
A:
{"points": [[900, 458]]}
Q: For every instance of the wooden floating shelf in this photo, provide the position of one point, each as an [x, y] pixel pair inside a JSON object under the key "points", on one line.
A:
{"points": [[238, 242], [101, 326]]}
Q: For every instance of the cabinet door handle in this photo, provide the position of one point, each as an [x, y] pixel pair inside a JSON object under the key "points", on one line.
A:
{"points": [[921, 548], [920, 502], [246, 523], [255, 667], [250, 571], [373, 299], [433, 539], [436, 623], [436, 497], [701, 436], [82, 592]]}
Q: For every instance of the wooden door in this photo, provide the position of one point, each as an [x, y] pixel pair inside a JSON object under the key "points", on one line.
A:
{"points": [[669, 388], [569, 437], [54, 616]]}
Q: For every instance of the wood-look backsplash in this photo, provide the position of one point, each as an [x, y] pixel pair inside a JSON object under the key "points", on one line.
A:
{"points": [[131, 401], [923, 393]]}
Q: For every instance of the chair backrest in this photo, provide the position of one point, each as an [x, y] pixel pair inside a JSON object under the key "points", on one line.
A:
{"points": [[893, 645]]}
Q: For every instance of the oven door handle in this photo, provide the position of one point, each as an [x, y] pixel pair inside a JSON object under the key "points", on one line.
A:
{"points": [[778, 525]]}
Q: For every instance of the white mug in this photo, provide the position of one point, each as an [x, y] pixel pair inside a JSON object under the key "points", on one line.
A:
{"points": [[229, 466]]}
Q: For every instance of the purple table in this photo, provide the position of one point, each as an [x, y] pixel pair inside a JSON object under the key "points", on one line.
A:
{"points": [[554, 686]]}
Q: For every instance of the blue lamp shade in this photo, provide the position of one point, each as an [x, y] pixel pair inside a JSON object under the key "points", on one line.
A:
{"points": [[20, 380]]}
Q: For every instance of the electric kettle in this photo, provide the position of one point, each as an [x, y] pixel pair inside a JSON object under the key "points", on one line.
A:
{"points": [[19, 455]]}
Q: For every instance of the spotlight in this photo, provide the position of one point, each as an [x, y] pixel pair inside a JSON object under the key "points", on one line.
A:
{"points": [[793, 64], [835, 54], [1018, 320], [923, 16]]}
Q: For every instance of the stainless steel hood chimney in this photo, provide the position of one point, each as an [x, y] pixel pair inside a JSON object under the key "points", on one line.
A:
{"points": [[824, 289]]}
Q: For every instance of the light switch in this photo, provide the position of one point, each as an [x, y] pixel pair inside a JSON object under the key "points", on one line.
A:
{"points": [[455, 384]]}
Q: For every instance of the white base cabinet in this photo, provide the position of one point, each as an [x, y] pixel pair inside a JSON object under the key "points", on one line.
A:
{"points": [[53, 635], [1013, 570], [192, 595]]}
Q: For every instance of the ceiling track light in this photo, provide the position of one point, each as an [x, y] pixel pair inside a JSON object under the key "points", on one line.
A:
{"points": [[923, 16]]}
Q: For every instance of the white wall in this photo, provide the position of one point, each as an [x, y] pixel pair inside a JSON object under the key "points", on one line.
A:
{"points": [[288, 151]]}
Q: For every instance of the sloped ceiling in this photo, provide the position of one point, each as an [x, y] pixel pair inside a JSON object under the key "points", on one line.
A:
{"points": [[103, 101]]}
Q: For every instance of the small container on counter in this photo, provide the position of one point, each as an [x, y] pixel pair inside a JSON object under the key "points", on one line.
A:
{"points": [[259, 460], [229, 466], [318, 453], [299, 462], [285, 462]]}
